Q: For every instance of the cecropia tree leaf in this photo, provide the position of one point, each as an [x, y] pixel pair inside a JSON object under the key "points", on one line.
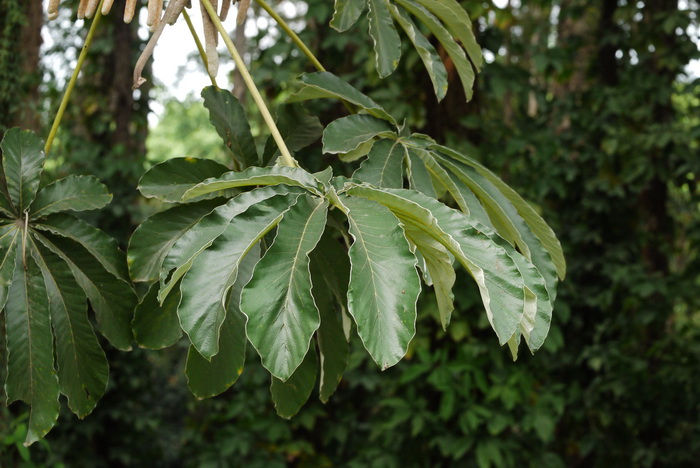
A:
{"points": [[23, 162], [282, 315], [387, 43], [348, 133], [228, 117], [209, 378], [169, 180], [74, 193], [346, 13], [82, 365], [384, 284], [290, 395], [31, 376], [214, 270]]}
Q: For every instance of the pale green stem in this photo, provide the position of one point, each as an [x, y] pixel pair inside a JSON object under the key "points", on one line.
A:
{"points": [[255, 94], [200, 48], [73, 79], [295, 38]]}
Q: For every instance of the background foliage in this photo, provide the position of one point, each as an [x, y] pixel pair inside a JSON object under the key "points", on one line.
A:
{"points": [[585, 109]]}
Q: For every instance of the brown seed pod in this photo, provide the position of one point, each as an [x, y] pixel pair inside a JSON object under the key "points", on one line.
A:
{"points": [[223, 14], [52, 10], [211, 39], [243, 6], [81, 9], [155, 10], [91, 8], [129, 10], [107, 6]]}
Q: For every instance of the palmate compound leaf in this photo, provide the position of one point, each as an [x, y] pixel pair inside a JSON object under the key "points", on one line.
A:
{"points": [[30, 367], [213, 270], [282, 315], [384, 284], [209, 378]]}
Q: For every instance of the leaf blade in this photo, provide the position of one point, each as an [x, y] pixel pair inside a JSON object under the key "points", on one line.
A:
{"points": [[348, 133], [291, 395], [346, 13], [72, 193], [387, 43], [23, 162], [169, 180]]}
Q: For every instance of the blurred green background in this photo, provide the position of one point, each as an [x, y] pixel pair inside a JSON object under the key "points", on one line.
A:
{"points": [[587, 108]]}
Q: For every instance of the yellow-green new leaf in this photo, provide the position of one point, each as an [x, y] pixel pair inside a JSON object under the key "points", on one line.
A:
{"points": [[282, 314]]}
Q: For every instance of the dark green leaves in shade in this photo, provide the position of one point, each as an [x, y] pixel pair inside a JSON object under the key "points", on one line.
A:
{"points": [[50, 264], [298, 128], [290, 395], [228, 117], [157, 326]]}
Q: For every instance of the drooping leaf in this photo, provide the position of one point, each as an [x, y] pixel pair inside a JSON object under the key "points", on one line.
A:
{"points": [[228, 117], [112, 299], [169, 180], [291, 176], [441, 177], [209, 378], [384, 165], [282, 315], [157, 326], [152, 240], [75, 193], [445, 37], [298, 128], [418, 176], [433, 64], [348, 133], [332, 344], [497, 276], [201, 235], [82, 365], [387, 43], [9, 236], [320, 85], [336, 267], [100, 245], [290, 395], [459, 24], [30, 367], [346, 13], [535, 222], [214, 270], [23, 161], [442, 273], [384, 284]]}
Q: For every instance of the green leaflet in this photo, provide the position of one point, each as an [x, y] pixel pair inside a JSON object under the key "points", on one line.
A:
{"points": [[30, 371], [321, 85], [214, 270], [9, 236], [418, 176], [384, 284], [200, 236], [439, 174], [291, 395], [152, 240], [332, 344], [433, 64], [458, 23], [76, 193], [439, 265], [291, 176], [169, 180], [346, 13], [282, 315], [100, 245], [82, 365], [384, 165], [499, 280], [538, 226], [228, 117], [23, 161], [387, 43], [348, 133], [112, 299], [210, 378], [157, 326], [456, 53], [298, 128]]}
